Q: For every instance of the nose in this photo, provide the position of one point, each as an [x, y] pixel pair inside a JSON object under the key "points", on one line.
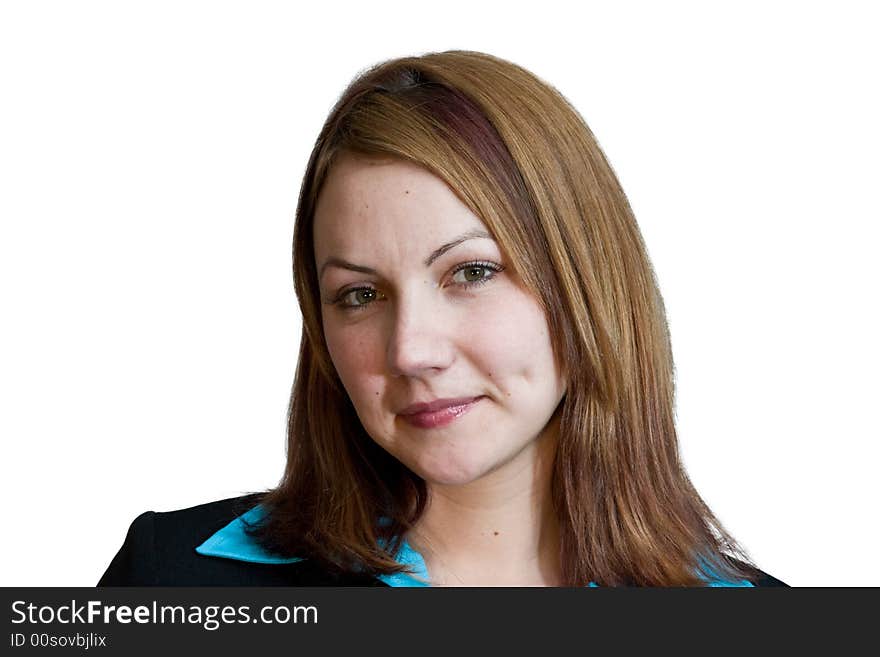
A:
{"points": [[419, 340]]}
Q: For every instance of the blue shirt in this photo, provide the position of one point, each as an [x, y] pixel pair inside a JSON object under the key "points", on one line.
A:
{"points": [[233, 542]]}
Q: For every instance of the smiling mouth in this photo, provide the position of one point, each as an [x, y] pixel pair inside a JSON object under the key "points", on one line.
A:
{"points": [[441, 417]]}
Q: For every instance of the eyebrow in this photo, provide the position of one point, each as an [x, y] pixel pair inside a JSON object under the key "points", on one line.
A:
{"points": [[344, 264]]}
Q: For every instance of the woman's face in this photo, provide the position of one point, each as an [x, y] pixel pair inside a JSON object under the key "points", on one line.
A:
{"points": [[416, 307]]}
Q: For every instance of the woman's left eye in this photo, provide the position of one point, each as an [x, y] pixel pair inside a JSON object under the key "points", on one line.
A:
{"points": [[475, 273]]}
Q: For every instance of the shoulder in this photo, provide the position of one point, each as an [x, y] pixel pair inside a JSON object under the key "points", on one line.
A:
{"points": [[191, 526], [160, 550], [758, 577], [768, 580]]}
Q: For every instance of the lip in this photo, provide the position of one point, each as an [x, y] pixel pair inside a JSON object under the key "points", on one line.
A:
{"points": [[436, 405], [438, 413]]}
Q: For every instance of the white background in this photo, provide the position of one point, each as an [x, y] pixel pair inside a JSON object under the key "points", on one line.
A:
{"points": [[150, 159]]}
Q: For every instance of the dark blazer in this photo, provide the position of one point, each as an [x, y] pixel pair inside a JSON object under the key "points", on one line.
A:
{"points": [[159, 550]]}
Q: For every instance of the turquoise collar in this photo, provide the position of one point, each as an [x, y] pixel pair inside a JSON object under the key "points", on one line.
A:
{"points": [[233, 542]]}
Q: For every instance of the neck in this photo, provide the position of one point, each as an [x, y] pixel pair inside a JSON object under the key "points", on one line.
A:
{"points": [[500, 530]]}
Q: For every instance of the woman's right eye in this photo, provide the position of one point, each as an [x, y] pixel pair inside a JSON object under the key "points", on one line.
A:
{"points": [[357, 298]]}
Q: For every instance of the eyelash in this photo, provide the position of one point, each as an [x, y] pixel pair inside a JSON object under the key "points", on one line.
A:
{"points": [[482, 264]]}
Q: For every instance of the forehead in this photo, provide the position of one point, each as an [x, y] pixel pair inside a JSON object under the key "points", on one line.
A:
{"points": [[364, 196], [353, 177]]}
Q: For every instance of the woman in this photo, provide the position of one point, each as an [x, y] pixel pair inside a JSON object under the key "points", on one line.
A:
{"points": [[484, 393]]}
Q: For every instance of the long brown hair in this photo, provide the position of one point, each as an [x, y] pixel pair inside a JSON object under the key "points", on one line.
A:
{"points": [[524, 161]]}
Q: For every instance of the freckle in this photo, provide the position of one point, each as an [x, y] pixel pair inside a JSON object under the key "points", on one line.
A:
{"points": [[496, 533], [406, 192]]}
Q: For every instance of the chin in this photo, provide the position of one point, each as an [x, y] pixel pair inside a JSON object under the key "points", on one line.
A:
{"points": [[450, 471], [449, 480]]}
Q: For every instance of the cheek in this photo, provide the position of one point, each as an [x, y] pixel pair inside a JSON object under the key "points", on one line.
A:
{"points": [[352, 356], [516, 348], [357, 357]]}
